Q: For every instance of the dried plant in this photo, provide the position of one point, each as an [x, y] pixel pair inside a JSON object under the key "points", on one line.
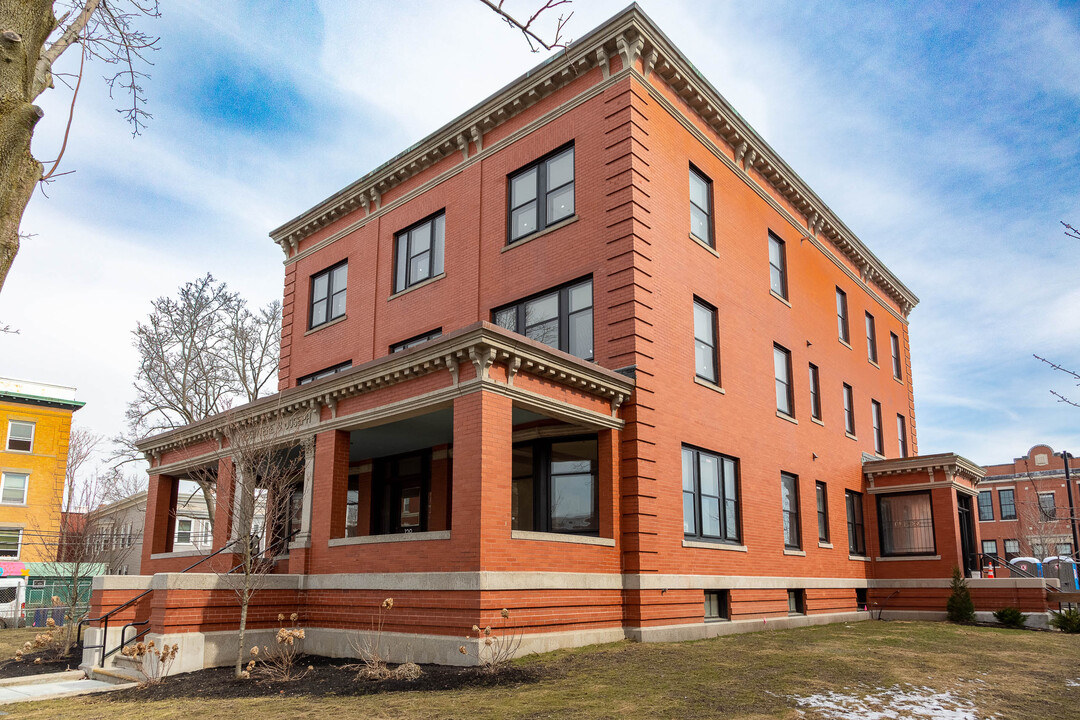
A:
{"points": [[51, 644], [153, 663], [495, 649], [369, 648], [280, 662]]}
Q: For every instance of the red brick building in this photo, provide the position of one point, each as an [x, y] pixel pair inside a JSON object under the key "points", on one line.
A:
{"points": [[594, 353]]}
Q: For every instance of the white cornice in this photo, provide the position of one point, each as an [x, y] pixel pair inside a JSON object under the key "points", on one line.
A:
{"points": [[633, 37], [952, 465]]}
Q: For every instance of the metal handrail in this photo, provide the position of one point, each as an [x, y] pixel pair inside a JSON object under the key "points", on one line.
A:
{"points": [[997, 560], [123, 642]]}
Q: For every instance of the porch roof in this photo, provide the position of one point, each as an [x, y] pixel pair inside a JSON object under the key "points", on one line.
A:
{"points": [[953, 465]]}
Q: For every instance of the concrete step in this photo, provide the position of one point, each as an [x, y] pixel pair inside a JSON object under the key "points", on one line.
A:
{"points": [[63, 676], [114, 675]]}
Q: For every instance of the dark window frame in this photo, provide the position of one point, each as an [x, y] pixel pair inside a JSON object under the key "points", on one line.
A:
{"points": [[542, 483], [842, 324], [871, 338], [324, 373], [815, 392], [714, 321], [725, 536], [789, 381], [993, 552], [779, 270], [1047, 514], [403, 284], [901, 434], [1009, 554], [856, 523], [849, 410], [796, 601], [1011, 504], [542, 192], [723, 605], [881, 526], [821, 494], [387, 488], [897, 366], [988, 516], [331, 292], [879, 432], [415, 340], [791, 514], [694, 170], [564, 313]]}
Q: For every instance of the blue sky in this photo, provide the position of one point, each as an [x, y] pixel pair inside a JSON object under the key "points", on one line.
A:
{"points": [[944, 134]]}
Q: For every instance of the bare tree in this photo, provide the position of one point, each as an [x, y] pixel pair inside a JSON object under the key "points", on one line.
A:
{"points": [[528, 26], [267, 467], [32, 39], [1070, 231], [200, 353], [1043, 527], [1071, 373]]}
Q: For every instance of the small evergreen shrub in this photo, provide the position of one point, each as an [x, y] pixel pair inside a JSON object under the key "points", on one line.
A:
{"points": [[1067, 621], [1010, 617], [959, 607]]}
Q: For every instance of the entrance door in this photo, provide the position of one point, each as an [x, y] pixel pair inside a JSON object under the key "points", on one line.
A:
{"points": [[401, 490], [967, 534]]}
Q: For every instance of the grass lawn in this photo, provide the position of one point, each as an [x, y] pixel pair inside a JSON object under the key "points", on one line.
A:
{"points": [[11, 639], [1001, 673]]}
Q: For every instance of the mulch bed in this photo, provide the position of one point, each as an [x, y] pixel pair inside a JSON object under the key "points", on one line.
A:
{"points": [[329, 677], [21, 668]]}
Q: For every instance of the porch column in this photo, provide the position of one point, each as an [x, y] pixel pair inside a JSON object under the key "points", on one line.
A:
{"points": [[223, 503], [329, 487], [483, 458], [300, 547], [160, 524]]}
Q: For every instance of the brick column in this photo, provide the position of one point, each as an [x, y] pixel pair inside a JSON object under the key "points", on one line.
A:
{"points": [[160, 525], [223, 505], [483, 454], [330, 483], [300, 547], [608, 457]]}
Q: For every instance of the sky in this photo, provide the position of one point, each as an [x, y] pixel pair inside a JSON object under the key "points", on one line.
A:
{"points": [[945, 135]]}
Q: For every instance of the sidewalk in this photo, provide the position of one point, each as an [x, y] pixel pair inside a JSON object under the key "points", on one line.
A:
{"points": [[52, 685]]}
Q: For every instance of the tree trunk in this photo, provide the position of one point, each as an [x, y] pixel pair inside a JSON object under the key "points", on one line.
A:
{"points": [[245, 598], [24, 27]]}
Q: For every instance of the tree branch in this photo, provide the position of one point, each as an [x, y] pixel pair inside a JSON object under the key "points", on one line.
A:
{"points": [[526, 27], [1070, 231], [71, 116], [43, 69]]}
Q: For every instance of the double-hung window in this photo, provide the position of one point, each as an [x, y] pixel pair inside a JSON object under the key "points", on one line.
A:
{"points": [[906, 522], [414, 341], [879, 435], [1047, 506], [871, 339], [1007, 503], [328, 294], [700, 207], [842, 317], [849, 410], [986, 505], [856, 531], [894, 343], [785, 399], [1012, 549], [555, 486], [822, 511], [10, 542], [561, 318], [705, 356], [418, 252], [327, 372], [20, 436], [183, 532], [815, 393], [777, 266], [13, 488], [789, 500], [901, 434], [541, 194], [710, 495], [989, 547]]}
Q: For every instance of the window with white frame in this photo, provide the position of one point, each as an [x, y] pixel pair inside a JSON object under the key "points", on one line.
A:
{"points": [[183, 532], [13, 488], [20, 436], [10, 542]]}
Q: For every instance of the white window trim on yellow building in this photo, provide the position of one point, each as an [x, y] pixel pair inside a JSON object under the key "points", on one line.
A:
{"points": [[18, 545], [4, 482], [11, 425]]}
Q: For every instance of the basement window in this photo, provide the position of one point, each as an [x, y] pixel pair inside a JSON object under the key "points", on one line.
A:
{"points": [[716, 605]]}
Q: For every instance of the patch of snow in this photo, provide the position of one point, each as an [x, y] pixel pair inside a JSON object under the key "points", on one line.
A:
{"points": [[1072, 683], [893, 703]]}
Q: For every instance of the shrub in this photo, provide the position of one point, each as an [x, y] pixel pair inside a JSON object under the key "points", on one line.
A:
{"points": [[280, 662], [959, 607], [52, 644], [1010, 617], [1067, 621], [494, 650], [153, 664]]}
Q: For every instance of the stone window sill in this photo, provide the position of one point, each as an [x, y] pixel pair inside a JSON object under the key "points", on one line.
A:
{"points": [[826, 545], [779, 297], [860, 558], [874, 363], [908, 558], [785, 416], [546, 231], [394, 538], [819, 422], [711, 385], [704, 244], [790, 551], [705, 545], [851, 436], [417, 286], [180, 554], [845, 343], [562, 538], [325, 325]]}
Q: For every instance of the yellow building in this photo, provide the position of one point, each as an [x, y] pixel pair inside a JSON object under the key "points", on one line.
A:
{"points": [[35, 420]]}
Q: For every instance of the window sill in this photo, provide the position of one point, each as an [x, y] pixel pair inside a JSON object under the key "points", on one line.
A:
{"points": [[706, 545], [799, 553], [7, 504], [704, 244], [180, 554], [779, 297], [709, 384], [860, 558], [417, 286], [908, 558], [541, 233], [845, 343], [819, 422], [562, 538], [785, 416], [899, 380], [325, 325], [391, 538], [20, 452], [874, 363], [826, 545], [850, 435]]}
